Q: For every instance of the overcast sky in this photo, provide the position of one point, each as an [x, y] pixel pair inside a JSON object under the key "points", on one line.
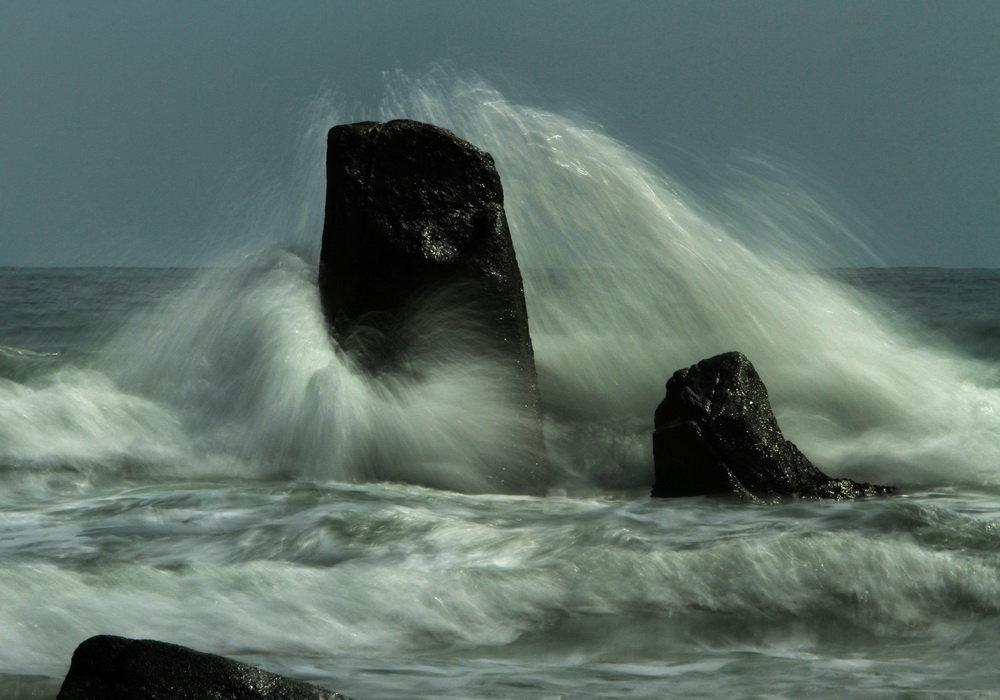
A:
{"points": [[123, 124]]}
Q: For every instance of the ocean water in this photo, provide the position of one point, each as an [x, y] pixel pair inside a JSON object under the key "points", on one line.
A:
{"points": [[186, 455]]}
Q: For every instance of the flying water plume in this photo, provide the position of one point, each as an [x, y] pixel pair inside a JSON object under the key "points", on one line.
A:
{"points": [[628, 277]]}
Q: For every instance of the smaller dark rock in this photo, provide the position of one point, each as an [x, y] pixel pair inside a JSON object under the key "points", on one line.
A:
{"points": [[116, 668], [715, 434]]}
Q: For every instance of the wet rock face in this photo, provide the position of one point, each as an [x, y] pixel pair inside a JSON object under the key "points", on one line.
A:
{"points": [[417, 262], [413, 210], [715, 434], [116, 668]]}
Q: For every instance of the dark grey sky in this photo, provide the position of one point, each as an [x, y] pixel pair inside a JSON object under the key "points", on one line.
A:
{"points": [[124, 126]]}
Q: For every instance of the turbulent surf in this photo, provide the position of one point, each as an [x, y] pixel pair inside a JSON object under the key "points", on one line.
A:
{"points": [[187, 455]]}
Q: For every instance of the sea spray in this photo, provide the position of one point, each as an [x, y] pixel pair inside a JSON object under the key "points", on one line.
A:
{"points": [[79, 420], [627, 279], [247, 361]]}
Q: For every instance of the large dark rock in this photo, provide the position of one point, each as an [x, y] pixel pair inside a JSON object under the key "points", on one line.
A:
{"points": [[715, 434], [417, 262], [116, 668], [412, 211]]}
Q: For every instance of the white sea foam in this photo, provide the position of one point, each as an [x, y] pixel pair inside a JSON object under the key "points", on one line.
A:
{"points": [[436, 572], [80, 420]]}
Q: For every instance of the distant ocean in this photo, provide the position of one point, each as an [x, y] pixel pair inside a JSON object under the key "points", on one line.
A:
{"points": [[185, 455]]}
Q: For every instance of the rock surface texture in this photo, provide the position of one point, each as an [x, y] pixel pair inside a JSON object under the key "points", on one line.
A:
{"points": [[413, 210], [417, 262], [116, 668], [715, 434]]}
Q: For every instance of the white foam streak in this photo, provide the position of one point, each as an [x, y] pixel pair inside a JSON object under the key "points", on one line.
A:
{"points": [[491, 591], [79, 420]]}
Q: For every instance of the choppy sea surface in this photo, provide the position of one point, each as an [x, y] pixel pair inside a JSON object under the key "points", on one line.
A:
{"points": [[186, 455], [112, 520]]}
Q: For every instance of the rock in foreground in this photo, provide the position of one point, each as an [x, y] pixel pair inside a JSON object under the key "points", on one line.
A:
{"points": [[116, 668], [715, 434]]}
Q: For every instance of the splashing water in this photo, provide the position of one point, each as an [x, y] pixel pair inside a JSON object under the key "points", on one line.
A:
{"points": [[627, 278]]}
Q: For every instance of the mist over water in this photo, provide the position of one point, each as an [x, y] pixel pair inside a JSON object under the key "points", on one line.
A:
{"points": [[211, 469]]}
